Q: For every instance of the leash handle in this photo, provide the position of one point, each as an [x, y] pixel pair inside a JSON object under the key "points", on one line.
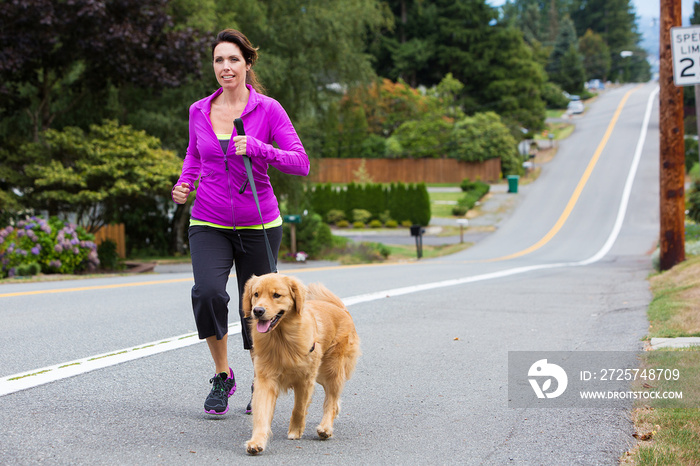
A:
{"points": [[240, 131]]}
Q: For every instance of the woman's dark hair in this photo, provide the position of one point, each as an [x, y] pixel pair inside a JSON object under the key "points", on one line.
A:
{"points": [[250, 53]]}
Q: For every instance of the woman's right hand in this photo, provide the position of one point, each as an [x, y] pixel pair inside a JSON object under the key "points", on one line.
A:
{"points": [[180, 193]]}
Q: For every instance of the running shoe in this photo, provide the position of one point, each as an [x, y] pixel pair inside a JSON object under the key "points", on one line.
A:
{"points": [[223, 386]]}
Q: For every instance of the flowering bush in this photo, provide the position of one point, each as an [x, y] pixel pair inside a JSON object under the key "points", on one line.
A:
{"points": [[56, 246]]}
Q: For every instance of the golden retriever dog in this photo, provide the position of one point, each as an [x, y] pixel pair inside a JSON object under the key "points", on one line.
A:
{"points": [[300, 336]]}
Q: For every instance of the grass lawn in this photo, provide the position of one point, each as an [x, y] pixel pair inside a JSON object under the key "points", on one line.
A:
{"points": [[441, 203], [671, 436], [407, 252]]}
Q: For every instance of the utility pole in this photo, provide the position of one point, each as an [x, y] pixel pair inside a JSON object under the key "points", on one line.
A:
{"points": [[672, 153]]}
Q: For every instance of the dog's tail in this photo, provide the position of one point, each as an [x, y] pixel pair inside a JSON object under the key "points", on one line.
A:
{"points": [[321, 293]]}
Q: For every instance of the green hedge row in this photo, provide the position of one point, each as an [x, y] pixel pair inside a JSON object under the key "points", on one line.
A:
{"points": [[473, 191], [398, 201]]}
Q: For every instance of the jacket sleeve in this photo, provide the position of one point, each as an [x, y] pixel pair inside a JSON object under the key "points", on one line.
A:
{"points": [[191, 166], [290, 157]]}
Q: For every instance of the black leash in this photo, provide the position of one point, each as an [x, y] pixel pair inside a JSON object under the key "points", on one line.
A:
{"points": [[240, 131]]}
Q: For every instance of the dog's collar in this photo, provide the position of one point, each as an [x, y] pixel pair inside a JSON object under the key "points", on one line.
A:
{"points": [[313, 347]]}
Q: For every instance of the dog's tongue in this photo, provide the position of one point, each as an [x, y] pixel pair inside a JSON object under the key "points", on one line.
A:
{"points": [[264, 326]]}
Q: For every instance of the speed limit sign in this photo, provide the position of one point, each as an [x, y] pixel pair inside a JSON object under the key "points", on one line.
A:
{"points": [[686, 55]]}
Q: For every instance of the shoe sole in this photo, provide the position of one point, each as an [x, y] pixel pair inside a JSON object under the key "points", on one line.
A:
{"points": [[216, 413]]}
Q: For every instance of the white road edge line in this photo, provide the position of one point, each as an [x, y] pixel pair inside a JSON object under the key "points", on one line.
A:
{"points": [[26, 380]]}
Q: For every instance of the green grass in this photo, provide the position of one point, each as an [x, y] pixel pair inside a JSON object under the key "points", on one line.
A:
{"points": [[438, 209], [558, 113], [673, 309], [673, 432], [675, 437], [406, 252]]}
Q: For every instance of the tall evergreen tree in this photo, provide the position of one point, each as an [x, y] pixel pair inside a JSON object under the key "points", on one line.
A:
{"points": [[565, 65], [596, 55], [498, 68], [615, 21]]}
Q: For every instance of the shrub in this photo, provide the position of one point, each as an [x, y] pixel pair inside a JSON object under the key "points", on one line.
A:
{"points": [[385, 216], [691, 153], [468, 200], [391, 224], [362, 253], [28, 270], [553, 96], [343, 224], [107, 253], [361, 215], [479, 188], [358, 224], [397, 200], [375, 224], [56, 246], [694, 202], [312, 235], [334, 216], [406, 223], [459, 211], [373, 147]]}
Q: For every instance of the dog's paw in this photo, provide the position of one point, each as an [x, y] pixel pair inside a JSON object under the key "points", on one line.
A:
{"points": [[294, 435], [253, 448], [324, 432]]}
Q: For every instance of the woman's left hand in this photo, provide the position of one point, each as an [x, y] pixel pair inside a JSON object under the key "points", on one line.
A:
{"points": [[240, 142]]}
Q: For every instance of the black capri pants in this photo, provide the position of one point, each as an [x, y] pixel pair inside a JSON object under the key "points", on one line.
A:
{"points": [[214, 251]]}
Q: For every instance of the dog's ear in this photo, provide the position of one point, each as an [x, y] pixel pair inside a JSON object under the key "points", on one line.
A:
{"points": [[248, 296], [298, 291]]}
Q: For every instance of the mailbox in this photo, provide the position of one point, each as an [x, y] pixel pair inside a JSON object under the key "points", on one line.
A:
{"points": [[417, 231]]}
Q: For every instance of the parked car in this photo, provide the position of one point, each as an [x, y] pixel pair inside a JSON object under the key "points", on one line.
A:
{"points": [[575, 107], [595, 85]]}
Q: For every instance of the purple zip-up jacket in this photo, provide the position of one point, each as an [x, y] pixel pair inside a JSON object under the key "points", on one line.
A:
{"points": [[222, 175]]}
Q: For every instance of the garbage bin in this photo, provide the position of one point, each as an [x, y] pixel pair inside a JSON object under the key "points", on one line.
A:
{"points": [[513, 183]]}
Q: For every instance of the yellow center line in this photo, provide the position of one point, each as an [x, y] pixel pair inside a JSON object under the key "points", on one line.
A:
{"points": [[96, 287], [579, 188], [188, 279]]}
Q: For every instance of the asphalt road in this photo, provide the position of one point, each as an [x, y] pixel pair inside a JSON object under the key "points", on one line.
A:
{"points": [[566, 271]]}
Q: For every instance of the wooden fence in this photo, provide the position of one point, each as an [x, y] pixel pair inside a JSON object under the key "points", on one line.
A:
{"points": [[404, 170], [114, 233]]}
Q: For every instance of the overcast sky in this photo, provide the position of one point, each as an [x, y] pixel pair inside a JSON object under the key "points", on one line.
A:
{"points": [[642, 7], [651, 8]]}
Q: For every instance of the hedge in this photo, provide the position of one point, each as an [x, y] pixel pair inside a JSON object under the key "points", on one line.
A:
{"points": [[401, 201]]}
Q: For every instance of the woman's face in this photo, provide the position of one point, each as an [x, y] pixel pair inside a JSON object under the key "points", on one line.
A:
{"points": [[229, 65]]}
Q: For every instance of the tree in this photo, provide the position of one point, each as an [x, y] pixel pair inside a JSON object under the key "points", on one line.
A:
{"points": [[98, 174], [565, 65], [481, 137], [56, 53], [499, 70], [507, 79], [537, 19], [596, 55], [424, 138], [615, 21], [307, 46], [387, 104]]}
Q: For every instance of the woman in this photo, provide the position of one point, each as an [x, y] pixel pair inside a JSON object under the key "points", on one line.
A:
{"points": [[225, 226]]}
